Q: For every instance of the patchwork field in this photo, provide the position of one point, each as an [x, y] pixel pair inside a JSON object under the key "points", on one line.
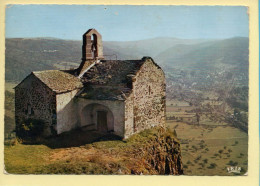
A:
{"points": [[210, 150]]}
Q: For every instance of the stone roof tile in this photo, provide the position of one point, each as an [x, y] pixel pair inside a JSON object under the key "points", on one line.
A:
{"points": [[58, 81], [117, 72], [111, 79]]}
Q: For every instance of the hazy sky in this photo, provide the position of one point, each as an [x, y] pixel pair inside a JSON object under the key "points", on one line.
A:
{"points": [[124, 23]]}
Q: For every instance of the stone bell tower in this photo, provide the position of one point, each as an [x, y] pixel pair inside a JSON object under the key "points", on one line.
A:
{"points": [[92, 47], [92, 50]]}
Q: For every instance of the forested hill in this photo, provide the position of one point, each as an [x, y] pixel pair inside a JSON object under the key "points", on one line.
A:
{"points": [[228, 53]]}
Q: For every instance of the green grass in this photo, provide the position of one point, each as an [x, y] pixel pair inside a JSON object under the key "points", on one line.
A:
{"points": [[96, 155], [25, 158]]}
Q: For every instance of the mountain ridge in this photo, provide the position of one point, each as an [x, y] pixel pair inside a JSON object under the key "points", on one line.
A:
{"points": [[24, 55]]}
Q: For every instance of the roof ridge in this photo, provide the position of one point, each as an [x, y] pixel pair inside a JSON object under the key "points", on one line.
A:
{"points": [[45, 71]]}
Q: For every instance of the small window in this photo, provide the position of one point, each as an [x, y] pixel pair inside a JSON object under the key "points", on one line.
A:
{"points": [[149, 90], [29, 110]]}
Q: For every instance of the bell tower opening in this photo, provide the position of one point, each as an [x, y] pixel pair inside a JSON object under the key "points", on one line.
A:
{"points": [[94, 48]]}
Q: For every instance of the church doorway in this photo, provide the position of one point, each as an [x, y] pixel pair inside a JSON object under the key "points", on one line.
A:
{"points": [[97, 117], [102, 121]]}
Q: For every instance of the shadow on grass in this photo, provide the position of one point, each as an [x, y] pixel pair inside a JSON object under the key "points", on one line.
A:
{"points": [[75, 138]]}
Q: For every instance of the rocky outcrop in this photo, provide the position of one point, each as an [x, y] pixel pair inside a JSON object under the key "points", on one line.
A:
{"points": [[161, 155]]}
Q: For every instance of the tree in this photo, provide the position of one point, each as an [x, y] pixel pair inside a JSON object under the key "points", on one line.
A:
{"points": [[198, 118], [175, 133], [205, 161]]}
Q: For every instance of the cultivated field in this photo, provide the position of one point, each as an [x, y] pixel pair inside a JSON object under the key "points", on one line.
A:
{"points": [[209, 150]]}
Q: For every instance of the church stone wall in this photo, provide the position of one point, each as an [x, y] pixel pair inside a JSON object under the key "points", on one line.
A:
{"points": [[33, 99], [66, 111], [129, 116], [148, 101]]}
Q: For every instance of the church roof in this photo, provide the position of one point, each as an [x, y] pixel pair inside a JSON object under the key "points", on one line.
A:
{"points": [[106, 80], [111, 79], [112, 72], [58, 81]]}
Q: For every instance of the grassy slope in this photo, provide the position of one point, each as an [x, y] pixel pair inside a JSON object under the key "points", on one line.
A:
{"points": [[109, 156]]}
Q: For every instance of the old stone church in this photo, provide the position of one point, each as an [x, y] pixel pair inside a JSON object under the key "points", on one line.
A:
{"points": [[116, 96]]}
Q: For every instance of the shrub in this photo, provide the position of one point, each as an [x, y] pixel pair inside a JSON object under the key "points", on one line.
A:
{"points": [[232, 163], [12, 142], [205, 160], [212, 166], [243, 169], [30, 128], [198, 157], [194, 147], [201, 164]]}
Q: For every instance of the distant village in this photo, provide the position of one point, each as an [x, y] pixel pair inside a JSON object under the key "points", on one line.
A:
{"points": [[197, 98]]}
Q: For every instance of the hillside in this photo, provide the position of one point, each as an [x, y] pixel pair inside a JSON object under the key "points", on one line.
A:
{"points": [[24, 55], [148, 47], [212, 55], [34, 54]]}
